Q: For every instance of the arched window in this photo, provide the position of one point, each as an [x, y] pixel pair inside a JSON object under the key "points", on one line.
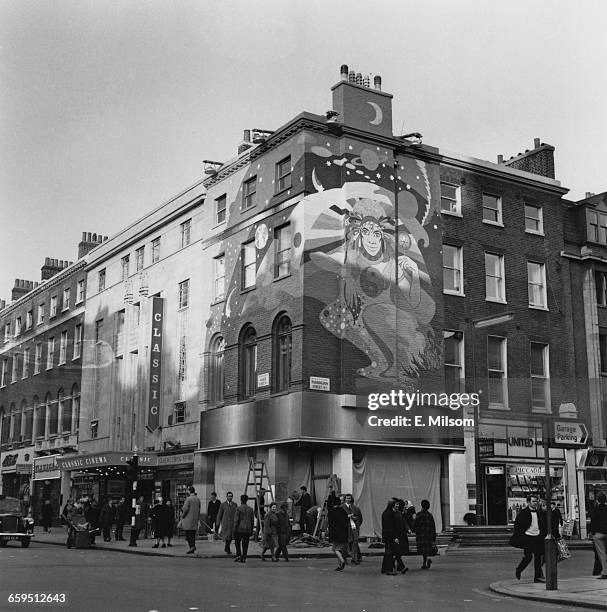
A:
{"points": [[216, 371], [28, 421], [282, 353], [248, 362], [75, 408], [5, 424]]}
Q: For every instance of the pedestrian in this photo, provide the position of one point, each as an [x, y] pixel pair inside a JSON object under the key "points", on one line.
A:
{"points": [[190, 516], [74, 517], [598, 528], [529, 534], [425, 533], [170, 518], [402, 529], [107, 517], [244, 519], [557, 517], [356, 520], [284, 531], [212, 511], [260, 510], [163, 521], [140, 522], [270, 532], [47, 515], [225, 520], [390, 537], [67, 510], [339, 531], [91, 514], [305, 503], [123, 515]]}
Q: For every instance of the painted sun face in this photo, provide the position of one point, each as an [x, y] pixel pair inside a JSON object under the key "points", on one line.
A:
{"points": [[371, 235]]}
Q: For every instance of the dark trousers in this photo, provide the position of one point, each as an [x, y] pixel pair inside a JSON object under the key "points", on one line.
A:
{"points": [[134, 536], [190, 537], [227, 546], [119, 528], [107, 533], [387, 564], [241, 541], [283, 540], [532, 552], [354, 548]]}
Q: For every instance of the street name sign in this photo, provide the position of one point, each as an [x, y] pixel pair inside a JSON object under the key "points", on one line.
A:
{"points": [[566, 433]]}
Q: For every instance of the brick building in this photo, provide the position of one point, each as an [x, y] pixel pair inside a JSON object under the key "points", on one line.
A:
{"points": [[40, 386]]}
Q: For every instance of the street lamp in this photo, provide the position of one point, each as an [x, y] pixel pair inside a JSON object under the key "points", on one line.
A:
{"points": [[474, 325]]}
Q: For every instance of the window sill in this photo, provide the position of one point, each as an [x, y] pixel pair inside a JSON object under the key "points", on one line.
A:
{"points": [[244, 209], [219, 224], [452, 214], [495, 300], [494, 223], [534, 233], [279, 278], [454, 293], [532, 307], [283, 190], [219, 300], [247, 289]]}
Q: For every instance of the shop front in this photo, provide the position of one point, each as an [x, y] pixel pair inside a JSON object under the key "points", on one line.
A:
{"points": [[16, 471], [46, 483], [174, 474], [595, 478], [512, 461]]}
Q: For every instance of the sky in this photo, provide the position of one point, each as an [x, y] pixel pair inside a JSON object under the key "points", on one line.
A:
{"points": [[108, 107]]}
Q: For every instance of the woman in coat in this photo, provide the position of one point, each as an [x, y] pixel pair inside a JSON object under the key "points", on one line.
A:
{"points": [[270, 533], [47, 516], [159, 518], [425, 533]]}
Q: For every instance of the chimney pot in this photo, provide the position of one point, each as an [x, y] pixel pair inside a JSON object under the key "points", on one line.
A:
{"points": [[377, 82], [247, 136], [343, 73], [589, 194], [536, 143], [359, 78], [352, 76], [500, 159]]}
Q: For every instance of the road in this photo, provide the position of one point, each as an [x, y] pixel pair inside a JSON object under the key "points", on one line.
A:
{"points": [[96, 580]]}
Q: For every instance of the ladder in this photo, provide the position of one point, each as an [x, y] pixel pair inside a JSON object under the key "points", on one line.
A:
{"points": [[333, 484], [257, 478]]}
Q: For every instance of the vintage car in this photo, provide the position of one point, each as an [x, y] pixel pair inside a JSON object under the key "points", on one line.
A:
{"points": [[13, 525]]}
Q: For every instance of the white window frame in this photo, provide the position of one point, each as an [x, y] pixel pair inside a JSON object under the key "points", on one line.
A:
{"points": [[282, 178], [500, 218], [40, 314], [65, 305], [539, 220], [15, 368], [501, 282], [38, 358], [7, 332], [544, 376], [4, 373], [29, 319], [63, 347], [26, 363], [539, 285], [156, 250], [504, 374], [80, 292], [186, 233], [139, 258], [221, 208], [278, 253], [249, 263], [457, 269], [50, 353], [53, 312], [18, 326], [184, 294], [77, 352], [248, 195], [456, 209], [460, 367], [219, 276], [101, 280], [125, 264]]}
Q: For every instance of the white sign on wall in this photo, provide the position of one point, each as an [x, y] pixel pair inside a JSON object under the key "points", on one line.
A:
{"points": [[263, 380], [319, 383]]}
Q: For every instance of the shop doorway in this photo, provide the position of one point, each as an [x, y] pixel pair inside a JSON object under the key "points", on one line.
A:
{"points": [[496, 498]]}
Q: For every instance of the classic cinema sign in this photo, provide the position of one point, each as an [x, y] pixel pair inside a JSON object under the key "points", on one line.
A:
{"points": [[155, 364]]}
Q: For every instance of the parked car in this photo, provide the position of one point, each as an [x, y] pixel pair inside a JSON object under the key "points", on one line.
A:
{"points": [[13, 525]]}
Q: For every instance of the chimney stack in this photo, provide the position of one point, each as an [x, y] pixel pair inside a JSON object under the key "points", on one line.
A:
{"points": [[2, 304], [589, 194], [89, 242], [377, 82], [540, 160], [343, 73], [52, 267], [21, 288], [246, 142]]}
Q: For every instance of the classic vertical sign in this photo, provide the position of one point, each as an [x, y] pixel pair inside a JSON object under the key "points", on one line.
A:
{"points": [[155, 364]]}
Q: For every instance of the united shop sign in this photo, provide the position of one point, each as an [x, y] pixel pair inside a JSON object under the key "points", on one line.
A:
{"points": [[102, 459]]}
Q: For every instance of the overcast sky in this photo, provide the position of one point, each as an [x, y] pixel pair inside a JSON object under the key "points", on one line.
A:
{"points": [[109, 107]]}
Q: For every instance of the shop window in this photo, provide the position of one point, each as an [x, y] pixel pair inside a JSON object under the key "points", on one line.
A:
{"points": [[216, 370], [282, 354], [496, 370], [248, 363]]}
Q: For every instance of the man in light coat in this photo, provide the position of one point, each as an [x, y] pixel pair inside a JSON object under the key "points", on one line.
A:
{"points": [[356, 520], [225, 520], [190, 514]]}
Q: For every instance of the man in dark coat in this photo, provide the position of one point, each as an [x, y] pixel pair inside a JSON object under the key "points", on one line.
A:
{"points": [[244, 519], [425, 533], [402, 529], [339, 532], [356, 520], [107, 516], [529, 534], [284, 531], [123, 516], [389, 537], [598, 528], [305, 503], [213, 511], [270, 532]]}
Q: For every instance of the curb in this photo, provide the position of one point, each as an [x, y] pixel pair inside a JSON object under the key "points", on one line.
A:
{"points": [[561, 598]]}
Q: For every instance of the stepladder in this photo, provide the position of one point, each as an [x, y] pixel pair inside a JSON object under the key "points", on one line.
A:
{"points": [[333, 486], [259, 488]]}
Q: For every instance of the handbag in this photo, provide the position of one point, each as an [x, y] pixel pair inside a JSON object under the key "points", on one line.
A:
{"points": [[562, 550]]}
